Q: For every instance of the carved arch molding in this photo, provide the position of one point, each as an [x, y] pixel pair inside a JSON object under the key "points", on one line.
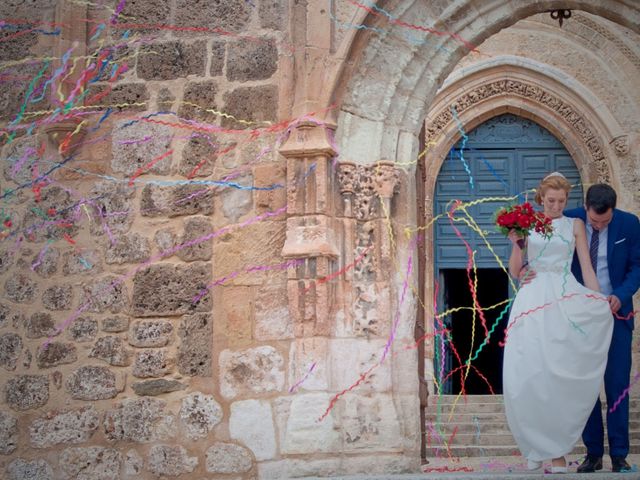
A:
{"points": [[518, 88]]}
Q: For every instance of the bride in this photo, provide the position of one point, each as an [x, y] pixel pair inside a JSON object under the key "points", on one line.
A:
{"points": [[557, 337]]}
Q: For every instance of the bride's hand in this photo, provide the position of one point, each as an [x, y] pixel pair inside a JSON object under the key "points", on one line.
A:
{"points": [[514, 236]]}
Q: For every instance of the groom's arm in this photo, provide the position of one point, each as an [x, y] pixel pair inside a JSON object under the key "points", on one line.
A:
{"points": [[631, 282]]}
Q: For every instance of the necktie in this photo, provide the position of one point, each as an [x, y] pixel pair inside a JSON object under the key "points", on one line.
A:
{"points": [[593, 249]]}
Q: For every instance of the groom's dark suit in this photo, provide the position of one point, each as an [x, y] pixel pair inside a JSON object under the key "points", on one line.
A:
{"points": [[623, 260]]}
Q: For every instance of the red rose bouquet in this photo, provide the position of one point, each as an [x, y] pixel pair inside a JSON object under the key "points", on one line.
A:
{"points": [[523, 218]]}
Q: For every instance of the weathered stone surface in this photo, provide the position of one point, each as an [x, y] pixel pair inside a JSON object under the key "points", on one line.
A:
{"points": [[168, 289], [269, 175], [196, 345], [127, 248], [56, 353], [195, 228], [165, 99], [129, 96], [250, 103], [350, 357], [133, 463], [106, 294], [272, 14], [52, 198], [157, 386], [370, 423], [257, 370], [56, 377], [234, 318], [112, 208], [8, 433], [170, 460], [5, 313], [25, 392], [200, 413], [71, 426], [135, 420], [83, 329], [10, 350], [228, 458], [272, 319], [176, 201], [150, 333], [28, 357], [6, 260], [154, 12], [255, 60], [58, 297], [87, 261], [169, 60], [21, 154], [20, 288], [199, 97], [115, 324], [91, 463], [165, 239], [129, 157], [19, 9], [217, 58], [39, 325], [46, 263], [152, 363], [237, 202], [112, 350], [20, 469], [199, 156], [228, 15], [92, 383], [251, 423]]}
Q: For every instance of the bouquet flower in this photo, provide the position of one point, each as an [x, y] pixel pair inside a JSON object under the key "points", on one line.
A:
{"points": [[522, 218]]}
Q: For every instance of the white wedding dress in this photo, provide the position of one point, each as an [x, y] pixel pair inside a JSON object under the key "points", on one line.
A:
{"points": [[556, 350]]}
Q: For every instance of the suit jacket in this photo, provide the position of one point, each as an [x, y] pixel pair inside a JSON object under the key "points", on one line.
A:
{"points": [[623, 257]]}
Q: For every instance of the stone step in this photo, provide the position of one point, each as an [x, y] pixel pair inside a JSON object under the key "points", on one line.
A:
{"points": [[487, 403], [492, 426], [497, 450], [489, 439]]}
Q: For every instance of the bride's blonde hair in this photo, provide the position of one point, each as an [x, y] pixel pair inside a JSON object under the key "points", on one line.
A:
{"points": [[555, 181]]}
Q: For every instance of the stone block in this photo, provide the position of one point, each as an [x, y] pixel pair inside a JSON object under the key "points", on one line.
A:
{"points": [[199, 156], [153, 12], [170, 460], [269, 175], [16, 48], [175, 201], [308, 359], [107, 293], [199, 414], [170, 60], [370, 423], [91, 463], [70, 426], [83, 329], [21, 469], [152, 363], [195, 228], [87, 261], [237, 202], [52, 198], [127, 248], [196, 345], [165, 239], [10, 350], [301, 467], [92, 383], [228, 458], [115, 324], [21, 154], [112, 350], [168, 289], [157, 386], [272, 319], [135, 420], [6, 260], [56, 353], [272, 14], [228, 15], [112, 208], [217, 58], [125, 96], [235, 319], [58, 297], [352, 357], [133, 464], [46, 262], [8, 433], [5, 314], [303, 433], [254, 371], [24, 392], [150, 333], [252, 60], [39, 325], [20, 288], [251, 422], [257, 104], [197, 98], [151, 140]]}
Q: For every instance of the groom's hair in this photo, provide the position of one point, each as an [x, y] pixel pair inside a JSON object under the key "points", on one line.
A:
{"points": [[600, 198]]}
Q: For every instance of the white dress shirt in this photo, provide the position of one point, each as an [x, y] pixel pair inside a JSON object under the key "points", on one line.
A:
{"points": [[603, 267]]}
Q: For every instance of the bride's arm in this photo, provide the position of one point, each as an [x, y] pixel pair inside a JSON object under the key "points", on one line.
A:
{"points": [[588, 275], [516, 259]]}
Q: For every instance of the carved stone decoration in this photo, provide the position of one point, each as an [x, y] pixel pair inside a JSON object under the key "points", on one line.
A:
{"points": [[621, 145], [365, 183], [519, 88]]}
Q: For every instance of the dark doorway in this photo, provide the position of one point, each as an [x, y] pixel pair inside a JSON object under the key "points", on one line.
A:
{"points": [[468, 332]]}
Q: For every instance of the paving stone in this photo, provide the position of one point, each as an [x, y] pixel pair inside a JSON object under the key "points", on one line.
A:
{"points": [[83, 329], [152, 363], [112, 350], [200, 413], [127, 248], [196, 345], [70, 426], [171, 60], [58, 297], [25, 392], [253, 60], [21, 469], [91, 463], [170, 460], [228, 458], [8, 433], [10, 350], [20, 288], [157, 386], [256, 104], [92, 383], [56, 353]]}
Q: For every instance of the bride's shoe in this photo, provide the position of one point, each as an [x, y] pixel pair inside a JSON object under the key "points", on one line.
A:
{"points": [[533, 464], [559, 468]]}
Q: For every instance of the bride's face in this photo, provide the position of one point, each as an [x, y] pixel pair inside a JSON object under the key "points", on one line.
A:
{"points": [[553, 202]]}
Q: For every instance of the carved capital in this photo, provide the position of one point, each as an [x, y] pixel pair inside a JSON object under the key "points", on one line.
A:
{"points": [[308, 139], [365, 183], [621, 145], [346, 177], [386, 179]]}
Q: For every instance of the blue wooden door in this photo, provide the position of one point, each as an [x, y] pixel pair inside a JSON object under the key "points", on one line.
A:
{"points": [[503, 157]]}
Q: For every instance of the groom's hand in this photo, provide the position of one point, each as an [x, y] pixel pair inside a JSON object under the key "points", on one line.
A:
{"points": [[526, 275], [614, 303]]}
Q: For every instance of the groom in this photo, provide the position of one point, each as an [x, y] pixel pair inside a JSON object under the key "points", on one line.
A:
{"points": [[614, 239]]}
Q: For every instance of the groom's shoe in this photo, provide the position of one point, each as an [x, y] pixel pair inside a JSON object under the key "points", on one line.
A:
{"points": [[619, 464], [591, 464]]}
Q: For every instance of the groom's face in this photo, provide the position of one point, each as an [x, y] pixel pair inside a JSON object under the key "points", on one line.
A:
{"points": [[599, 220]]}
